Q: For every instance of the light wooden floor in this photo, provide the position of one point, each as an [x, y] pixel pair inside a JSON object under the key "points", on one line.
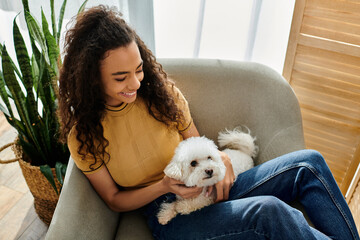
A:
{"points": [[18, 219]]}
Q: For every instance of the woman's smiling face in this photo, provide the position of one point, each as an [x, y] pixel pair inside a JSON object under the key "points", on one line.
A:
{"points": [[121, 73]]}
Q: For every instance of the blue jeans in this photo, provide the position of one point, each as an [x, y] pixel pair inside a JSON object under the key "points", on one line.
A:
{"points": [[258, 205]]}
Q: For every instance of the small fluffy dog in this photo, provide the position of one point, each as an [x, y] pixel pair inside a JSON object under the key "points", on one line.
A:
{"points": [[197, 162]]}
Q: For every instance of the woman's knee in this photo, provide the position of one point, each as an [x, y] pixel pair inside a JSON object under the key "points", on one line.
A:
{"points": [[313, 158], [269, 208]]}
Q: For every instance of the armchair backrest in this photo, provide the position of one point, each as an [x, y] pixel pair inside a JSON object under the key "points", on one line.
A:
{"points": [[225, 94]]}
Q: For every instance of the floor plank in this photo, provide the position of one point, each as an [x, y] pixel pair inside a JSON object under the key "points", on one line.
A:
{"points": [[8, 198], [11, 223], [18, 219], [11, 177], [32, 227]]}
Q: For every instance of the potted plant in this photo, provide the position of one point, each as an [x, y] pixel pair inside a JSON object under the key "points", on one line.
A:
{"points": [[29, 95]]}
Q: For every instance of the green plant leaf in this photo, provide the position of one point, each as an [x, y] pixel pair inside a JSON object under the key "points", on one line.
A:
{"points": [[9, 93], [36, 33], [25, 67], [5, 97], [44, 88], [52, 47], [35, 73], [14, 66], [23, 57], [47, 129], [46, 170], [35, 158], [61, 18], [13, 85], [36, 52], [53, 22], [18, 125], [18, 97], [60, 169], [26, 5], [82, 7]]}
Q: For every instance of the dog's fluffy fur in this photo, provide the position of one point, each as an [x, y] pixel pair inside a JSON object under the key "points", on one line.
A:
{"points": [[197, 162]]}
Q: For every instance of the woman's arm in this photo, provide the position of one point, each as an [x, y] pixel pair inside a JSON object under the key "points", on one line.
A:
{"points": [[223, 187], [127, 200]]}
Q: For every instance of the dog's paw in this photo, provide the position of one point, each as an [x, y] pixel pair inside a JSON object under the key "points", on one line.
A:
{"points": [[166, 213], [164, 219]]}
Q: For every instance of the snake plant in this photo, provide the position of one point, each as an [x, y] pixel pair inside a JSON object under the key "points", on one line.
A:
{"points": [[28, 90]]}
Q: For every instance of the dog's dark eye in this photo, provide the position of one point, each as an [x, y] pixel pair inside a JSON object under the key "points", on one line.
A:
{"points": [[209, 158], [193, 163]]}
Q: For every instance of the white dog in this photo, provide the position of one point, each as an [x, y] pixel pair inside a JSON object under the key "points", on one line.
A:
{"points": [[197, 162]]}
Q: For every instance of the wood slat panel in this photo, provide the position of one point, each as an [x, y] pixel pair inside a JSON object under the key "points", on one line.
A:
{"points": [[323, 66], [322, 73], [343, 76], [354, 205], [293, 38], [337, 112], [329, 44], [328, 124], [332, 25], [333, 14], [356, 183], [332, 148], [350, 173], [347, 61], [344, 140], [323, 139], [329, 119], [329, 29], [345, 90], [350, 7], [333, 107]]}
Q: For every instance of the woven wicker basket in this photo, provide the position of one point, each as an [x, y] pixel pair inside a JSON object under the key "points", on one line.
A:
{"points": [[45, 197]]}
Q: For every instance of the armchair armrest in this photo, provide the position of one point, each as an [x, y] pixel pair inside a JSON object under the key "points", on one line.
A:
{"points": [[80, 213], [284, 141]]}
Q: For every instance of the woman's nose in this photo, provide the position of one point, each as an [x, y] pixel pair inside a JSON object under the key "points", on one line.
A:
{"points": [[134, 83]]}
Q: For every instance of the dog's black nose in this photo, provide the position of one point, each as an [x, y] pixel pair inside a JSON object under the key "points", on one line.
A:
{"points": [[209, 172]]}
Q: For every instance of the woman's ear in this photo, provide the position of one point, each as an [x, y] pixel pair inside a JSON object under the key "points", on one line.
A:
{"points": [[173, 170]]}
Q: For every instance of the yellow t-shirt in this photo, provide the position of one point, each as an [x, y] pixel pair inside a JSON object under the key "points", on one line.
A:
{"points": [[140, 146]]}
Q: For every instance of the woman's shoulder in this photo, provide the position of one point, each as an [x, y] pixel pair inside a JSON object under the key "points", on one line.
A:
{"points": [[72, 140], [174, 90]]}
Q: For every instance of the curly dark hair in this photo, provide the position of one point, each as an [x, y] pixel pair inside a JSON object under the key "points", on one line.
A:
{"points": [[81, 104]]}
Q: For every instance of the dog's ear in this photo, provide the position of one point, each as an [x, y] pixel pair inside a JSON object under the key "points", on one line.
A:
{"points": [[173, 170]]}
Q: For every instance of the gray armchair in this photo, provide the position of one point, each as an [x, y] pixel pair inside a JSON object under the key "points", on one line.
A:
{"points": [[221, 94]]}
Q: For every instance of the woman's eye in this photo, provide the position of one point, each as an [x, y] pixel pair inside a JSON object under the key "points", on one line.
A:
{"points": [[193, 163], [139, 71], [119, 79]]}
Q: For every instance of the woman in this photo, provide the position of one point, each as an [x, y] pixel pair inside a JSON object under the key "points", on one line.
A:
{"points": [[122, 119]]}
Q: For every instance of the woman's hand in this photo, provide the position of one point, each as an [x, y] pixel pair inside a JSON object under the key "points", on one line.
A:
{"points": [[179, 188], [223, 187]]}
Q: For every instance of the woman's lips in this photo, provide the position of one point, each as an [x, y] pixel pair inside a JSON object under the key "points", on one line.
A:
{"points": [[128, 94]]}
